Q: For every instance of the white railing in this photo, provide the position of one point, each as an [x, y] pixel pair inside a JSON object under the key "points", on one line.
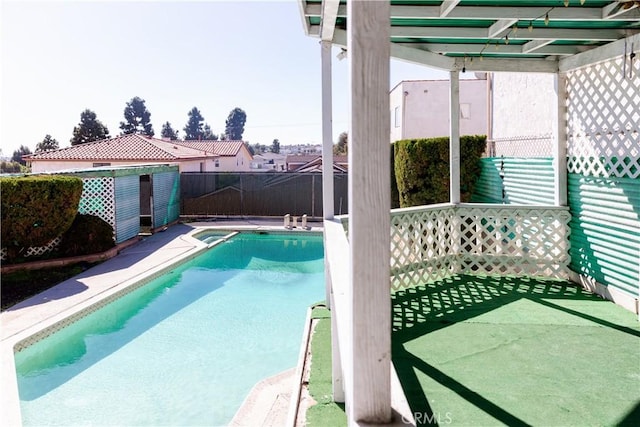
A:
{"points": [[432, 242], [437, 241]]}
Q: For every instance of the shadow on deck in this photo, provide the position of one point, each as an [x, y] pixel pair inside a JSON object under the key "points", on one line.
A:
{"points": [[476, 350]]}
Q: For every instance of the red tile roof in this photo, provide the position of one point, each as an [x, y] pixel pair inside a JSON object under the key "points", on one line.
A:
{"points": [[221, 148], [125, 147]]}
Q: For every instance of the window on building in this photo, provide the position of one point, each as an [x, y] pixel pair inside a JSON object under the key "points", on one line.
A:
{"points": [[99, 165], [465, 111], [216, 163], [396, 117]]}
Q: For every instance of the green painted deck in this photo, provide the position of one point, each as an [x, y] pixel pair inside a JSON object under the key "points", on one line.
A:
{"points": [[488, 351], [481, 351]]}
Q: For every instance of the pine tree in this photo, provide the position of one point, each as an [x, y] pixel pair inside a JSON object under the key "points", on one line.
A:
{"points": [[275, 146], [235, 124], [90, 129], [193, 130], [48, 143], [138, 118], [19, 153], [168, 132], [208, 135]]}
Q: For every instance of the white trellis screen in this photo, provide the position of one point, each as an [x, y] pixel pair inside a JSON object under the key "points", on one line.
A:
{"points": [[603, 119], [433, 242], [603, 164]]}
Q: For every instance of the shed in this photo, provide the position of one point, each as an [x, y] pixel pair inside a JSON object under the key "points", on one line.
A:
{"points": [[129, 197]]}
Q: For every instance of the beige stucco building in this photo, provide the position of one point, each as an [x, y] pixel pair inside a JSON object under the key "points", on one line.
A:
{"points": [[420, 108]]}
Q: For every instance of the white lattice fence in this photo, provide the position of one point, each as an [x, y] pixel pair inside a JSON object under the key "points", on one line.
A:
{"points": [[35, 250], [513, 239], [98, 199], [421, 249], [432, 242], [603, 119]]}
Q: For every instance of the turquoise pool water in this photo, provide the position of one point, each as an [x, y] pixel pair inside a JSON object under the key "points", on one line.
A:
{"points": [[184, 349]]}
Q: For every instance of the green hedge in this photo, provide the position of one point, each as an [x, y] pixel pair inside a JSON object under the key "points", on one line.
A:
{"points": [[36, 210], [87, 235], [422, 168]]}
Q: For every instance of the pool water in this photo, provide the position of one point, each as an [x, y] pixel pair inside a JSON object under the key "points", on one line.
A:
{"points": [[184, 349]]}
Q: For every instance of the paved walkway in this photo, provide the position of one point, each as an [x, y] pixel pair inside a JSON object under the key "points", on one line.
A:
{"points": [[147, 258]]}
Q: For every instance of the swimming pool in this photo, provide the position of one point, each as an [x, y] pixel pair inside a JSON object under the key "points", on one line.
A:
{"points": [[184, 349]]}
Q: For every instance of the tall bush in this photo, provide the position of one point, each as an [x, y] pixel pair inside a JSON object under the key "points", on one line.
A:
{"points": [[36, 210], [422, 168], [88, 234]]}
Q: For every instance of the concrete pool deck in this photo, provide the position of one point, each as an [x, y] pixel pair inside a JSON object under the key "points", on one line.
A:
{"points": [[144, 260]]}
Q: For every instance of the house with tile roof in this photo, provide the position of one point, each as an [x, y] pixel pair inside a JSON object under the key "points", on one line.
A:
{"points": [[233, 156], [126, 150], [313, 163]]}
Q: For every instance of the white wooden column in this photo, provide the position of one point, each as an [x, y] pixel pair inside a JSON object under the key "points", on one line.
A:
{"points": [[327, 132], [454, 137], [560, 149], [368, 393]]}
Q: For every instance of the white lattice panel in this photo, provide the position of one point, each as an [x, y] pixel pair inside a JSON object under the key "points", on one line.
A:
{"points": [[603, 120], [514, 240], [433, 242], [522, 146], [41, 250], [98, 199], [420, 248], [35, 250]]}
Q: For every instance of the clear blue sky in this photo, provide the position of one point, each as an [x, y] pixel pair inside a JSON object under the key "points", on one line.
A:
{"points": [[61, 57]]}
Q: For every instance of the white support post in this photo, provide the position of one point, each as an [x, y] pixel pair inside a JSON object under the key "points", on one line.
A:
{"points": [[327, 149], [368, 393], [327, 131], [560, 151], [454, 137], [337, 379]]}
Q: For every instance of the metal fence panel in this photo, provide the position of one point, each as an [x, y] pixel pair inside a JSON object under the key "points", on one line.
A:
{"points": [[166, 198], [127, 207], [258, 194]]}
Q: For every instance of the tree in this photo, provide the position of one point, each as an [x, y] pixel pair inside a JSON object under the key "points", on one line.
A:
{"points": [[138, 118], [207, 134], [17, 155], [235, 124], [275, 146], [342, 147], [90, 129], [48, 143], [10, 167], [168, 132], [193, 130], [259, 148]]}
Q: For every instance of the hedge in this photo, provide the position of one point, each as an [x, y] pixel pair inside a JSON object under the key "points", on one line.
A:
{"points": [[422, 168], [36, 210]]}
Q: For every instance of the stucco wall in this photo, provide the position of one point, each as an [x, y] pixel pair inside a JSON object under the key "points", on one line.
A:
{"points": [[424, 111], [524, 104], [237, 163]]}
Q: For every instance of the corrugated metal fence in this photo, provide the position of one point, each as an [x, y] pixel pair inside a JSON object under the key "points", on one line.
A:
{"points": [[258, 194], [518, 180]]}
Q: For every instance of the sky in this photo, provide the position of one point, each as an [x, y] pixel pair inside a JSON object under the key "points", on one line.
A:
{"points": [[59, 58]]}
